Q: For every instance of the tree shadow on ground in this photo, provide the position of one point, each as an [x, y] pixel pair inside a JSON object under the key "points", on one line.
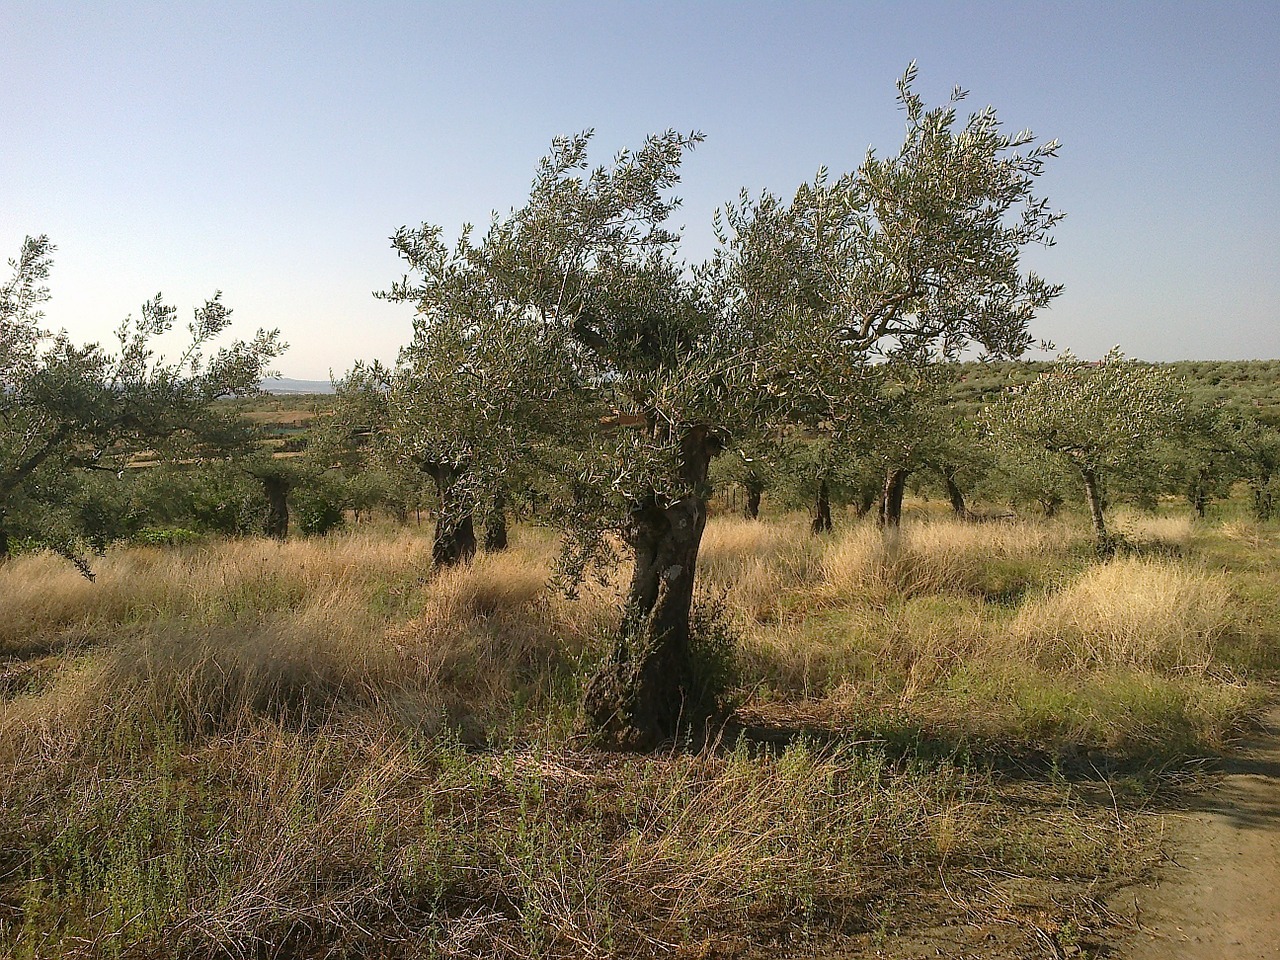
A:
{"points": [[1012, 759]]}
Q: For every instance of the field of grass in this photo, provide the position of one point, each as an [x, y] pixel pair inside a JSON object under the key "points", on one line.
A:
{"points": [[324, 748]]}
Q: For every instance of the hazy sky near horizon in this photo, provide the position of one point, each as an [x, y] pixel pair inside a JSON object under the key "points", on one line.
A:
{"points": [[270, 149]]}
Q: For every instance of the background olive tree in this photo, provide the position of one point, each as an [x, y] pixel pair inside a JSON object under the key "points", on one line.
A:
{"points": [[1101, 420], [68, 407]]}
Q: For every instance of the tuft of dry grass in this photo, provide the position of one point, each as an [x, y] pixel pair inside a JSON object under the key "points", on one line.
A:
{"points": [[1161, 532], [1134, 613], [300, 634], [48, 604], [758, 566], [940, 556]]}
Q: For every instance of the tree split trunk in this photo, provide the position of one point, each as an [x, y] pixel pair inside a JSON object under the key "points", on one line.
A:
{"points": [[955, 495], [822, 507], [895, 487], [865, 500], [455, 534], [1263, 501], [645, 691], [1198, 492]]}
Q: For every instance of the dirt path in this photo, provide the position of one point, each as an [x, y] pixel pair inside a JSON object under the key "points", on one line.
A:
{"points": [[1219, 898]]}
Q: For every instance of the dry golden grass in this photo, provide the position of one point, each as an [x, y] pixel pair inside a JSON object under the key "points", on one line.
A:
{"points": [[939, 556], [47, 602], [299, 631], [254, 747], [1143, 614], [757, 566], [1155, 531]]}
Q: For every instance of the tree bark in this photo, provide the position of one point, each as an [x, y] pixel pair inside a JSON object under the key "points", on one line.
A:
{"points": [[822, 507], [1198, 493], [955, 495], [866, 499], [754, 488], [895, 486], [1102, 542], [644, 692], [455, 535], [495, 527], [277, 491]]}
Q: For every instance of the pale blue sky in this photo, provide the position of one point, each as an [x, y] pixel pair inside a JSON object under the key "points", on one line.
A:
{"points": [[269, 149]]}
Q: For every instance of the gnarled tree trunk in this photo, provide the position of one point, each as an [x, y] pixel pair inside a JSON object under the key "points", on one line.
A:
{"points": [[644, 692], [754, 488], [455, 534], [495, 525], [277, 491], [895, 486], [822, 507]]}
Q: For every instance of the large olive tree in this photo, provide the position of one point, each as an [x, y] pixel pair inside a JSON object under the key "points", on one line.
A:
{"points": [[915, 253]]}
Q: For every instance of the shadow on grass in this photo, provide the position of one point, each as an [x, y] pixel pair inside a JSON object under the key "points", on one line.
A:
{"points": [[1008, 759], [1245, 787]]}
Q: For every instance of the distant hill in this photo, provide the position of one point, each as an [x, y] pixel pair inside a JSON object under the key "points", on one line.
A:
{"points": [[287, 385]]}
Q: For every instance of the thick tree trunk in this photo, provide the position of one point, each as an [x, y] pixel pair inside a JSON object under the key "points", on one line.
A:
{"points": [[866, 500], [277, 491], [1102, 542], [455, 534], [822, 507], [754, 488], [495, 526], [955, 495], [644, 692], [895, 486]]}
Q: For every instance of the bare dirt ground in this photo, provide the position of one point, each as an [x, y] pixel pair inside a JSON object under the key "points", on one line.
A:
{"points": [[1218, 896]]}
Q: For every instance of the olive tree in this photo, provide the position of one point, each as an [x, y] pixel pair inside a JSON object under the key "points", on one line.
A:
{"points": [[1255, 448], [912, 253], [474, 398], [64, 406], [1101, 420]]}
